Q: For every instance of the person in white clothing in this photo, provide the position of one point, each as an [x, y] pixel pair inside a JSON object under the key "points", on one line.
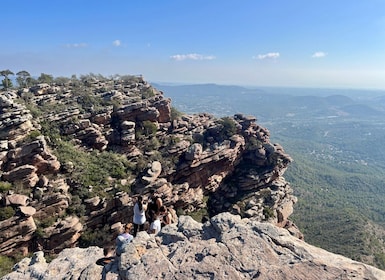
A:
{"points": [[155, 225], [139, 219]]}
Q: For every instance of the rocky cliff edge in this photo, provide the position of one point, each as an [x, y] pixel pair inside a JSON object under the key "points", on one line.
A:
{"points": [[226, 247]]}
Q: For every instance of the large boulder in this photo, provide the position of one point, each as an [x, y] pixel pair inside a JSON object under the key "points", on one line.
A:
{"points": [[16, 233], [73, 263], [153, 172]]}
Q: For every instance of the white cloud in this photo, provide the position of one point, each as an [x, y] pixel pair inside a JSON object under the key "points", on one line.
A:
{"points": [[319, 54], [191, 56], [76, 45], [117, 43], [270, 55]]}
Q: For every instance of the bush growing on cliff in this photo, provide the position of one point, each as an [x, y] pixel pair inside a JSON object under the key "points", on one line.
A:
{"points": [[146, 128], [6, 213], [92, 103], [99, 237], [200, 213], [175, 113], [95, 168], [76, 207], [45, 78], [225, 128], [268, 212], [229, 127], [5, 186], [6, 264], [253, 144], [379, 259], [148, 93]]}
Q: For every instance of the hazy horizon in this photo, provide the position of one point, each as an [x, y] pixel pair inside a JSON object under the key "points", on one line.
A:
{"points": [[282, 89], [316, 44]]}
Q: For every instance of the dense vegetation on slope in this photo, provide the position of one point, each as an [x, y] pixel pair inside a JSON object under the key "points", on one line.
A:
{"points": [[341, 194], [335, 138]]}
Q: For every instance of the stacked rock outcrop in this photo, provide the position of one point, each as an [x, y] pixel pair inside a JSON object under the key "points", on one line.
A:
{"points": [[194, 162]]}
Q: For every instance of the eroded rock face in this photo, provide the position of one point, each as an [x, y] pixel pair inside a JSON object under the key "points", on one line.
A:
{"points": [[188, 160], [16, 234], [226, 247], [63, 234], [15, 119]]}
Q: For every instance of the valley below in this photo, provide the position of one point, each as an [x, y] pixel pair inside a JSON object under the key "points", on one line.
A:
{"points": [[335, 139]]}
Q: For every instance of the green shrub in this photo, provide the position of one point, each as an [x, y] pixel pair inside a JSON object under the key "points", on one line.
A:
{"points": [[51, 131], [93, 169], [379, 259], [198, 214], [148, 93], [175, 113], [34, 110], [268, 213], [95, 237], [141, 164], [90, 102], [149, 128], [6, 264], [265, 193], [6, 213], [32, 136], [229, 127], [5, 186], [152, 145], [76, 207], [253, 144], [47, 222], [145, 129], [180, 212], [225, 128], [39, 232]]}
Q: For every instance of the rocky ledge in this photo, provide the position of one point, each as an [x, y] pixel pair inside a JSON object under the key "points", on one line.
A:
{"points": [[225, 247]]}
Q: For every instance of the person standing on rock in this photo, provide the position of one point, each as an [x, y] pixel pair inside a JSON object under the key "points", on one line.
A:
{"points": [[139, 219], [155, 225], [154, 204]]}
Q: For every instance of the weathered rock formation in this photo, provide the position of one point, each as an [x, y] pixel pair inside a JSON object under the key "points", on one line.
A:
{"points": [[194, 162], [226, 247]]}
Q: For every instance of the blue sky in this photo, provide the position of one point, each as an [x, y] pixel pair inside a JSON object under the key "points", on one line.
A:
{"points": [[302, 43]]}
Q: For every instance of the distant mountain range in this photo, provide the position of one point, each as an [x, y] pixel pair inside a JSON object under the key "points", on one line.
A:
{"points": [[265, 101]]}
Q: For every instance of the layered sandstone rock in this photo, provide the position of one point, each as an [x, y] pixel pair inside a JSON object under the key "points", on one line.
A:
{"points": [[15, 119], [16, 234]]}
